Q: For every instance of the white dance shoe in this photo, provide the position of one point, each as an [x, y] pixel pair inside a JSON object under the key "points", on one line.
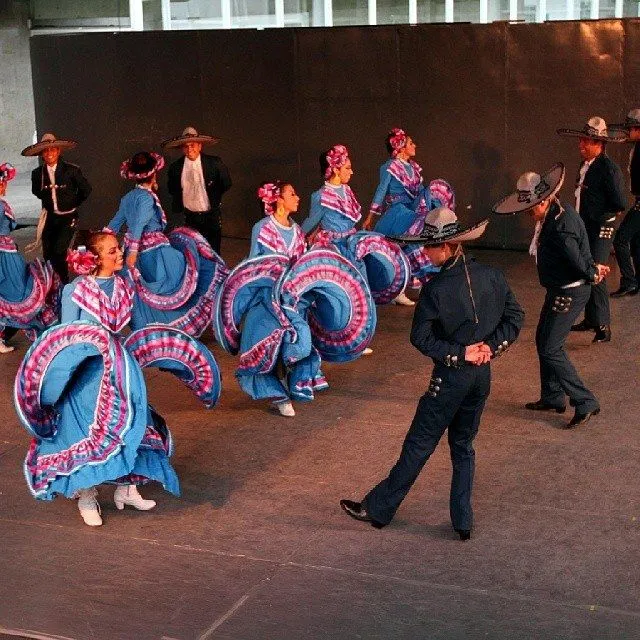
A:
{"points": [[128, 494], [403, 300], [286, 409], [89, 507], [5, 348], [367, 352]]}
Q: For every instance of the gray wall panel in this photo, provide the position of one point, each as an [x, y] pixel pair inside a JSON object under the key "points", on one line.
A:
{"points": [[482, 101]]}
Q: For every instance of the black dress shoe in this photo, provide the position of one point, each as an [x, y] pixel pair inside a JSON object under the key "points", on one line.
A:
{"points": [[581, 418], [582, 326], [625, 291], [465, 534], [603, 334], [358, 512], [539, 405]]}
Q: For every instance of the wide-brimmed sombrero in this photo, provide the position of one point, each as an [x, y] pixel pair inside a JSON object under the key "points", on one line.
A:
{"points": [[48, 141], [141, 165], [631, 121], [596, 129], [188, 135], [531, 189], [441, 225]]}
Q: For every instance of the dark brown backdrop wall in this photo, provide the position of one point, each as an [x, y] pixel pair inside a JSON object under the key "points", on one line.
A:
{"points": [[482, 102]]}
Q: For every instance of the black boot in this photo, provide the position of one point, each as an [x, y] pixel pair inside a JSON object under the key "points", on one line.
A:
{"points": [[625, 291], [603, 334], [582, 326]]}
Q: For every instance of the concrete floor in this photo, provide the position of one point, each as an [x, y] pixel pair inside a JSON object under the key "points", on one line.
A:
{"points": [[258, 548]]}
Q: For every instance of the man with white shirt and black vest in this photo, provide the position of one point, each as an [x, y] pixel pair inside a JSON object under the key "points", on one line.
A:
{"points": [[627, 240], [197, 183], [568, 272], [599, 198], [62, 188]]}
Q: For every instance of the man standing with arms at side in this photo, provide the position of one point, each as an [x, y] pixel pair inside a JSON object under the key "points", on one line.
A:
{"points": [[568, 273], [62, 188], [599, 198], [627, 240], [465, 316], [197, 183]]}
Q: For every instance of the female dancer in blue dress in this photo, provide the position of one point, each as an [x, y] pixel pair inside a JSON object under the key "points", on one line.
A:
{"points": [[284, 309], [400, 194], [401, 201], [81, 393], [29, 293], [276, 232], [175, 277], [335, 210]]}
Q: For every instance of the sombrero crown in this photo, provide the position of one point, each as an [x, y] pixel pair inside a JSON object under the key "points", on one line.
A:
{"points": [[189, 134], [441, 225]]}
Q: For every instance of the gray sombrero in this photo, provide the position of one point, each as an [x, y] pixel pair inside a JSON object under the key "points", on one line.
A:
{"points": [[441, 225], [531, 189], [631, 121], [596, 129], [48, 141], [188, 135]]}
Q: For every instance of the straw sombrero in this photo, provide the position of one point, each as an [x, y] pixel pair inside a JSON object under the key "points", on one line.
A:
{"points": [[48, 141], [441, 225], [531, 189], [188, 135]]}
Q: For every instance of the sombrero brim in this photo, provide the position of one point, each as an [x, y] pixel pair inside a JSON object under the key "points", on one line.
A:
{"points": [[173, 143], [39, 147], [466, 235], [625, 129], [513, 203], [579, 133]]}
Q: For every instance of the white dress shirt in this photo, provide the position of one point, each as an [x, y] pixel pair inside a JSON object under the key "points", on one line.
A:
{"points": [[583, 172], [194, 193], [51, 170]]}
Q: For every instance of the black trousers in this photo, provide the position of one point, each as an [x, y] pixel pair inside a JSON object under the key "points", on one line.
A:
{"points": [[627, 247], [56, 238], [558, 376], [455, 400], [208, 224], [596, 311]]}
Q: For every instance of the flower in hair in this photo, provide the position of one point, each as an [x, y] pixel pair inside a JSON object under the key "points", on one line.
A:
{"points": [[269, 194], [81, 261], [337, 157], [397, 140], [7, 172]]}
